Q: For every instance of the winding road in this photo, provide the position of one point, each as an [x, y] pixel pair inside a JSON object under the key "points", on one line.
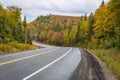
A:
{"points": [[48, 63]]}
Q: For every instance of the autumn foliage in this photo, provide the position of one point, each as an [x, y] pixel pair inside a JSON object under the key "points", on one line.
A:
{"points": [[12, 31], [100, 29]]}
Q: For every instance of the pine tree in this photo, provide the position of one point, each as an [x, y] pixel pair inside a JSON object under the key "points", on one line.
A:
{"points": [[90, 26], [78, 33], [85, 17], [25, 27]]}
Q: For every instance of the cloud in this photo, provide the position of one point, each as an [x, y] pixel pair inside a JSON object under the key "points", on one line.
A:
{"points": [[34, 8]]}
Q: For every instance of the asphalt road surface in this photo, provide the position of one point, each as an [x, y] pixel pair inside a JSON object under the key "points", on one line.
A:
{"points": [[49, 63]]}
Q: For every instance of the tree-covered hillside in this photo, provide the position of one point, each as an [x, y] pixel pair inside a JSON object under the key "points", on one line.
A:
{"points": [[98, 30], [53, 22], [56, 29]]}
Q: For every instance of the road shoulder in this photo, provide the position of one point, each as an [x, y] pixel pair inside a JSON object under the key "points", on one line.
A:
{"points": [[88, 69]]}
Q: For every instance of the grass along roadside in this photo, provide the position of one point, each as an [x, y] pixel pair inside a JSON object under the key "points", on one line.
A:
{"points": [[15, 47], [112, 59]]}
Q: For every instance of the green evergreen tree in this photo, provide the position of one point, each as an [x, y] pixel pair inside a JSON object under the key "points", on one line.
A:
{"points": [[90, 26], [25, 28], [19, 37]]}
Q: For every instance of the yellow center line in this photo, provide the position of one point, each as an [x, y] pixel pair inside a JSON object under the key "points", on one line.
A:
{"points": [[27, 57]]}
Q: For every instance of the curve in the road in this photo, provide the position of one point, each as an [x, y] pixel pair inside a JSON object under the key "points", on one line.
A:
{"points": [[48, 65]]}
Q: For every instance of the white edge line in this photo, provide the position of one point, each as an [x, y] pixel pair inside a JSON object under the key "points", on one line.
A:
{"points": [[47, 65]]}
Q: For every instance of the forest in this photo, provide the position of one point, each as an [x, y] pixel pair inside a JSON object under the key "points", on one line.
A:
{"points": [[11, 25], [14, 33], [99, 30]]}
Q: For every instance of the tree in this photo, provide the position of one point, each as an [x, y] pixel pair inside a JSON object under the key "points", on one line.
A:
{"points": [[43, 36], [18, 37], [14, 13], [1, 10], [49, 35], [78, 33], [54, 38], [114, 19], [83, 32], [5, 29], [99, 29], [85, 17], [90, 26], [29, 40], [60, 40], [66, 37], [25, 27], [72, 36], [2, 32]]}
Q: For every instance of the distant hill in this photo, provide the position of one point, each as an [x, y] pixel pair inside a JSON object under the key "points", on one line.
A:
{"points": [[51, 21], [56, 24]]}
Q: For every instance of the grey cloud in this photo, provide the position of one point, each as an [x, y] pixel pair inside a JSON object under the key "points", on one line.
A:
{"points": [[34, 8]]}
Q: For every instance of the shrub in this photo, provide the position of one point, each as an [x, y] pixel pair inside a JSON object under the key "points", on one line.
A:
{"points": [[15, 47]]}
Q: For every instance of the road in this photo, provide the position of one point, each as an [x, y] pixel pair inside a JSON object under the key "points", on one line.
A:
{"points": [[49, 63]]}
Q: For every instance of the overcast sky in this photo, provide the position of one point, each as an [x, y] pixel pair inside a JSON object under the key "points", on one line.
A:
{"points": [[34, 8]]}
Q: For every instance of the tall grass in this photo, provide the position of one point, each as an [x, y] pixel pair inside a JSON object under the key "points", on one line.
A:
{"points": [[15, 47], [111, 57]]}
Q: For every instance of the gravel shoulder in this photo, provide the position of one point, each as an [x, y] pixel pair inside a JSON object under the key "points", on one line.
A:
{"points": [[91, 68]]}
